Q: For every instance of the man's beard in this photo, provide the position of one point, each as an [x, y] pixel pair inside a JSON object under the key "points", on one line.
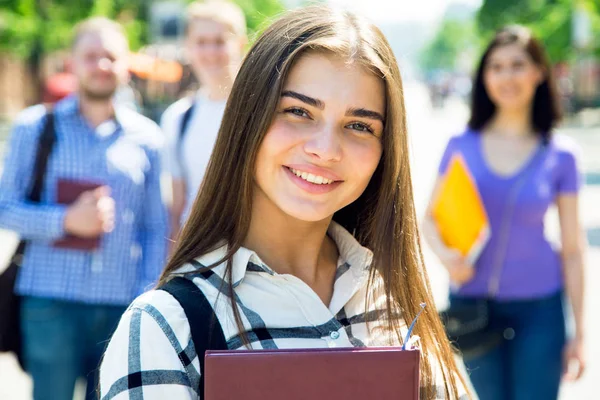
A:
{"points": [[97, 95]]}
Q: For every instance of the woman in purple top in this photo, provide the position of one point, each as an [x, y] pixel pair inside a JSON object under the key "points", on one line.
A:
{"points": [[520, 169]]}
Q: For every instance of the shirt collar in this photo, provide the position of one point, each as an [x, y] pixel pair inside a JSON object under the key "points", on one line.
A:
{"points": [[202, 98], [69, 106], [353, 257]]}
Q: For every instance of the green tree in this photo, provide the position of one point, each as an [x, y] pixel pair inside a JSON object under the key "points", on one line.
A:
{"points": [[550, 20], [30, 28], [260, 12], [454, 38]]}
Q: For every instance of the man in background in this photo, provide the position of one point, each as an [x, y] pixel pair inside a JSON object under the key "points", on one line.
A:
{"points": [[85, 259], [215, 37]]}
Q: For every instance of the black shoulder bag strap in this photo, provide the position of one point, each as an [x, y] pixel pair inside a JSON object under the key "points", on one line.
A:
{"points": [[185, 121], [10, 337], [44, 148], [205, 328], [45, 145]]}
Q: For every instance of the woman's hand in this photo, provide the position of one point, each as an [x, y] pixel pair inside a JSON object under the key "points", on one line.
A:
{"points": [[574, 360], [460, 270]]}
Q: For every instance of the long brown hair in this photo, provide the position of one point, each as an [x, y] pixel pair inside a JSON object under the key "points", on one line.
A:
{"points": [[382, 218], [545, 111]]}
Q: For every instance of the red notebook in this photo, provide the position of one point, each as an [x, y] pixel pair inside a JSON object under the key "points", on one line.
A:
{"points": [[386, 373], [67, 193]]}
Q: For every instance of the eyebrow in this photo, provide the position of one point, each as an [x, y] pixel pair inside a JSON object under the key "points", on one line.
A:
{"points": [[304, 98], [355, 112], [364, 113]]}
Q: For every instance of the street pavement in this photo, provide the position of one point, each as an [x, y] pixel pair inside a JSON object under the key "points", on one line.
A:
{"points": [[429, 131]]}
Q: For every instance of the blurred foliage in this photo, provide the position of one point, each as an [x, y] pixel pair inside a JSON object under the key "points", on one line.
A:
{"points": [[454, 38], [260, 12], [29, 28], [550, 20]]}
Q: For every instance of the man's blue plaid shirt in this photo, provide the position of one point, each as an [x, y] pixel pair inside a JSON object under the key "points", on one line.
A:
{"points": [[123, 154]]}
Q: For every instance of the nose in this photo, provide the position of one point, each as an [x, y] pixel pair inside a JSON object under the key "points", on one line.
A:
{"points": [[104, 64], [213, 51], [508, 73], [325, 144]]}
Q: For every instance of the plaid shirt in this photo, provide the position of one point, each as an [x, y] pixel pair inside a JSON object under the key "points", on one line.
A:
{"points": [[152, 356], [123, 154]]}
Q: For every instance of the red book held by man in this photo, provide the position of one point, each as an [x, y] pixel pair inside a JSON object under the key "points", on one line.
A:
{"points": [[68, 191]]}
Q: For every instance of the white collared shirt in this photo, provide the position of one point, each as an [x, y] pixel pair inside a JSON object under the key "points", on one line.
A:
{"points": [[284, 309]]}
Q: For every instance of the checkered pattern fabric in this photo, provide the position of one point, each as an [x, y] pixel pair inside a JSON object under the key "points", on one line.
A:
{"points": [[152, 356], [125, 155]]}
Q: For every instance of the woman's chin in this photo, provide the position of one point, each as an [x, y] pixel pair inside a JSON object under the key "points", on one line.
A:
{"points": [[306, 213]]}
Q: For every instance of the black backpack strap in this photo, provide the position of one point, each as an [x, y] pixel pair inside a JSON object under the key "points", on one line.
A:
{"points": [[45, 145], [205, 328], [185, 120], [44, 148], [11, 339]]}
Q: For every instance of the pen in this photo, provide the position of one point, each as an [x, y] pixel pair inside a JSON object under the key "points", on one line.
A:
{"points": [[412, 326]]}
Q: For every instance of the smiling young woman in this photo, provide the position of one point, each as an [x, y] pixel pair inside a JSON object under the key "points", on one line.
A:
{"points": [[521, 168], [304, 232]]}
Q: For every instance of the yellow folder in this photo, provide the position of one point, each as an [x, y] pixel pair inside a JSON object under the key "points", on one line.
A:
{"points": [[459, 212]]}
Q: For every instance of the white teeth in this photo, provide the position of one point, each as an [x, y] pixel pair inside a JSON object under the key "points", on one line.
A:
{"points": [[316, 179]]}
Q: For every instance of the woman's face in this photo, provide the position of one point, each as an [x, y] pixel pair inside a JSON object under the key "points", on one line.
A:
{"points": [[325, 140], [511, 77]]}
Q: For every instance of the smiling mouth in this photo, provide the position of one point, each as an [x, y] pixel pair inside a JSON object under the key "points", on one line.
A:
{"points": [[315, 179]]}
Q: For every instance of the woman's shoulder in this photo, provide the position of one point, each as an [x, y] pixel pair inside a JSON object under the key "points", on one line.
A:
{"points": [[462, 139], [155, 299], [565, 153], [158, 308], [565, 145], [151, 340], [464, 143]]}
